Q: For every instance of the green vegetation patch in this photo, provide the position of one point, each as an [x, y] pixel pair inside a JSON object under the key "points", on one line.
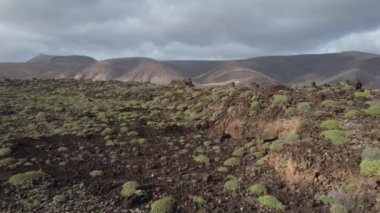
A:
{"points": [[280, 99], [22, 178], [349, 188], [232, 162], [331, 124], [222, 169], [363, 94], [129, 188], [232, 185], [271, 202], [374, 109], [7, 161], [59, 199], [238, 152], [370, 167], [338, 208], [329, 103], [163, 205], [203, 159], [198, 200], [5, 152], [325, 199], [303, 107], [336, 137], [258, 189], [96, 173], [352, 113]]}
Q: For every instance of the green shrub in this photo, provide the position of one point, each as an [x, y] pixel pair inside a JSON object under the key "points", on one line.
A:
{"points": [[331, 124], [271, 202], [329, 103], [259, 154], [249, 145], [59, 199], [280, 99], [303, 107], [232, 185], [370, 167], [232, 162], [222, 169], [7, 161], [373, 110], [371, 153], [198, 200], [238, 152], [292, 138], [349, 188], [364, 94], [338, 208], [276, 145], [258, 189], [5, 152], [22, 178], [336, 137], [290, 112], [352, 113], [203, 159], [96, 173], [163, 205], [325, 199], [129, 188]]}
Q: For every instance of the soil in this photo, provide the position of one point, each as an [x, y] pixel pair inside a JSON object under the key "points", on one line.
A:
{"points": [[164, 164]]}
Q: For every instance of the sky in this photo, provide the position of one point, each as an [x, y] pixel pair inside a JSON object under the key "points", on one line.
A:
{"points": [[186, 29]]}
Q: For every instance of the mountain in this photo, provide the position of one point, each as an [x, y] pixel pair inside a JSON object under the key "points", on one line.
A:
{"points": [[130, 69], [234, 72], [46, 67], [264, 71], [293, 69]]}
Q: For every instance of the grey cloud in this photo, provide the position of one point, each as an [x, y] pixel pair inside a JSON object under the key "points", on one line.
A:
{"points": [[173, 29]]}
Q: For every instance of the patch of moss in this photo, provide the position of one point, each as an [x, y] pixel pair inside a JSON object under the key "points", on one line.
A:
{"points": [[232, 185], [373, 110], [22, 178], [325, 199], [336, 137], [364, 94], [329, 103], [259, 154], [232, 162], [331, 124], [276, 145], [238, 152], [222, 169], [5, 151], [96, 173], [198, 200], [271, 202], [290, 112], [258, 189], [280, 99], [129, 188], [249, 145], [7, 161], [338, 208], [59, 199], [163, 205], [203, 159], [349, 188], [292, 138], [303, 107], [352, 113], [370, 167]]}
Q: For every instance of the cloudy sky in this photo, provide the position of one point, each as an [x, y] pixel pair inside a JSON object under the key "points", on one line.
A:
{"points": [[184, 29]]}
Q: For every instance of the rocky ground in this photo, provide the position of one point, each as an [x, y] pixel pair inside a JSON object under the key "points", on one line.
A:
{"points": [[82, 146]]}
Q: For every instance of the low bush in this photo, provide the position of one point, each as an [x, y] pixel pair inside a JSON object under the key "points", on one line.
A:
{"points": [[271, 202]]}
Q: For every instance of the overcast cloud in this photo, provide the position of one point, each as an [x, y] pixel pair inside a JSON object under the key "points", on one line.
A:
{"points": [[179, 29]]}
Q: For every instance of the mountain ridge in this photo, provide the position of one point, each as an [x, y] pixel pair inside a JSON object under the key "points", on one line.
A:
{"points": [[263, 70]]}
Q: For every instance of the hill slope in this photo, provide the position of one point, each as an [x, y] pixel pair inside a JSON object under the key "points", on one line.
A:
{"points": [[130, 69]]}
